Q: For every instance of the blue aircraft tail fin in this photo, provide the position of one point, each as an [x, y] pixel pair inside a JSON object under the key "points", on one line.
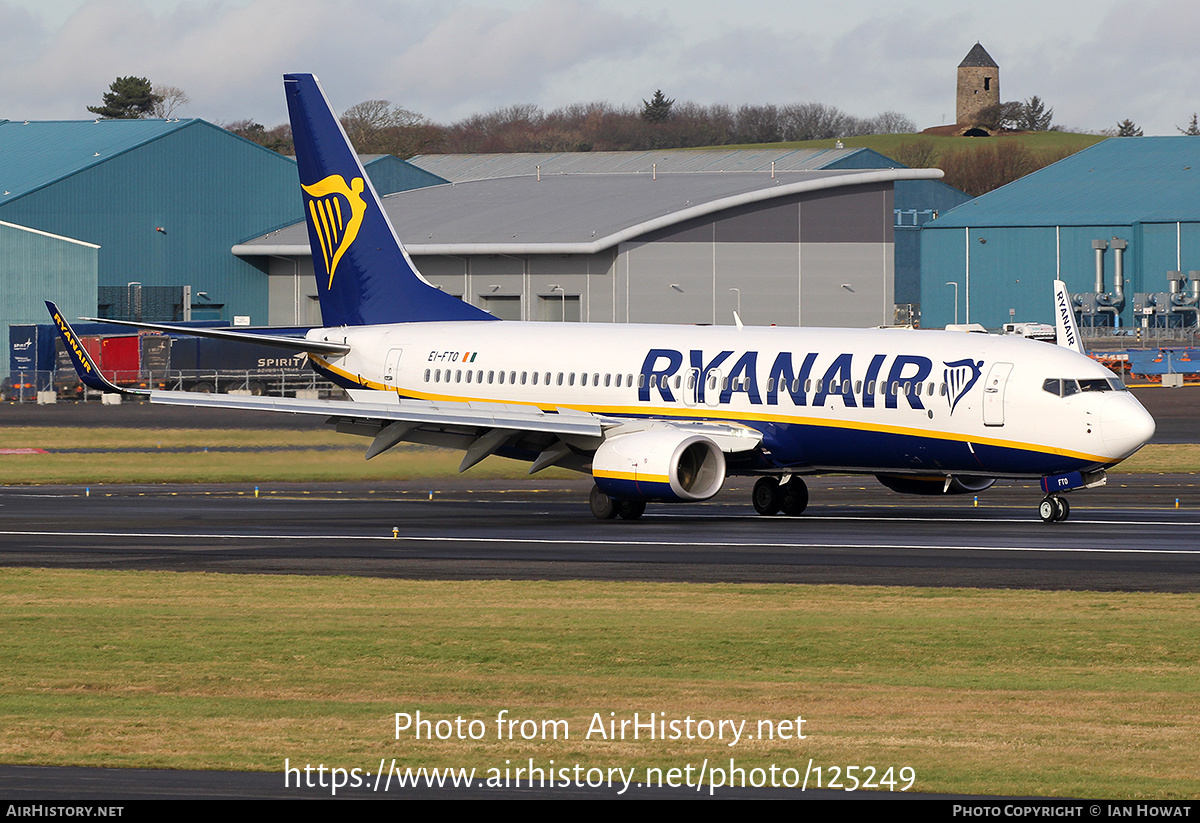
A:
{"points": [[364, 275]]}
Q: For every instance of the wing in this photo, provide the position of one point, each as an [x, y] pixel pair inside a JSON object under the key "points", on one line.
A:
{"points": [[299, 344], [562, 436]]}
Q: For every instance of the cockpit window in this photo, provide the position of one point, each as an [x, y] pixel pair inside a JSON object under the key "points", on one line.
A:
{"points": [[1065, 387]]}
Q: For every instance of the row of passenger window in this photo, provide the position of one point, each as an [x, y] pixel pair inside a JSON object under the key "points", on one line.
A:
{"points": [[610, 380], [527, 378]]}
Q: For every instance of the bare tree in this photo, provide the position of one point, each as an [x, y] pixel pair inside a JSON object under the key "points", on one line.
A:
{"points": [[979, 170], [892, 122], [919, 154], [278, 139], [757, 124], [169, 100], [813, 121], [1001, 116]]}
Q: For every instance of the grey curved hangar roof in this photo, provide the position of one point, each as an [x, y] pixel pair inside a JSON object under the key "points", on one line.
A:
{"points": [[571, 213], [459, 168]]}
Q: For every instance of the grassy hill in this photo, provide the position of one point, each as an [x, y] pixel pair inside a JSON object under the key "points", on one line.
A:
{"points": [[975, 165], [888, 144]]}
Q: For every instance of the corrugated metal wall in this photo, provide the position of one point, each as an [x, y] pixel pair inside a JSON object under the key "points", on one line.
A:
{"points": [[34, 268], [1013, 267], [205, 188]]}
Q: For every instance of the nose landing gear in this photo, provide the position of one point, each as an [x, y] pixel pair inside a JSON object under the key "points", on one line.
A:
{"points": [[1054, 509]]}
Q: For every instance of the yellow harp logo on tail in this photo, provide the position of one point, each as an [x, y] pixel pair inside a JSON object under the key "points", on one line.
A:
{"points": [[329, 201]]}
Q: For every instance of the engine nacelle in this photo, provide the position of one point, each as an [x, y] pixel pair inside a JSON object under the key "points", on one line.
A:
{"points": [[659, 465], [954, 484]]}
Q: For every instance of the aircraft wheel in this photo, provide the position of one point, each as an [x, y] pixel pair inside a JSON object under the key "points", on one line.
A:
{"points": [[1064, 509], [793, 497], [631, 509], [1054, 510], [767, 497], [603, 506], [1047, 510]]}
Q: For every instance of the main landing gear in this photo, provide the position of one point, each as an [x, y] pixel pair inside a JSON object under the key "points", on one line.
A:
{"points": [[1054, 509], [607, 508], [772, 497]]}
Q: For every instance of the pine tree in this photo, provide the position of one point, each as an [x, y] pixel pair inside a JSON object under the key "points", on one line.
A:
{"points": [[1128, 128], [128, 98], [1035, 116], [1193, 128], [658, 108]]}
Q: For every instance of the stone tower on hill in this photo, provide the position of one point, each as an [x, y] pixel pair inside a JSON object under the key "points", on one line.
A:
{"points": [[978, 85]]}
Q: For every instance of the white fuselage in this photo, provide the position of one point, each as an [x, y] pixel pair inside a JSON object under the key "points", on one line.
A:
{"points": [[879, 400]]}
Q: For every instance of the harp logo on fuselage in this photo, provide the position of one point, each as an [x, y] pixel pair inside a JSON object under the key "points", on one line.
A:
{"points": [[336, 210], [959, 377], [808, 379]]}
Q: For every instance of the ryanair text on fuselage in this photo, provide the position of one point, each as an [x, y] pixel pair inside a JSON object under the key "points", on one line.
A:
{"points": [[885, 380]]}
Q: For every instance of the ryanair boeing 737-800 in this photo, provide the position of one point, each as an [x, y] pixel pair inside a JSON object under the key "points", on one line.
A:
{"points": [[666, 413]]}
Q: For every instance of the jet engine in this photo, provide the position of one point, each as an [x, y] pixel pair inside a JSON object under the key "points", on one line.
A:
{"points": [[954, 484], [663, 464]]}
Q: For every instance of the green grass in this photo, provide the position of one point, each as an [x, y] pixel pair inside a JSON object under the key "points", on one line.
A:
{"points": [[1163, 458], [1055, 693]]}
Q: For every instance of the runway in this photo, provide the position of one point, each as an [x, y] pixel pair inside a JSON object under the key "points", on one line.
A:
{"points": [[1126, 536], [1137, 533]]}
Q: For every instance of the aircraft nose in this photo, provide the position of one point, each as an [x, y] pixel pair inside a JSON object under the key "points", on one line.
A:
{"points": [[1125, 425]]}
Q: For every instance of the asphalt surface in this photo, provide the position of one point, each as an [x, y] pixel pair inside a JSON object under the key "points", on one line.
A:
{"points": [[1126, 536]]}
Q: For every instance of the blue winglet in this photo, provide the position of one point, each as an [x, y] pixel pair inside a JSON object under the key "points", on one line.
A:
{"points": [[364, 275], [88, 371]]}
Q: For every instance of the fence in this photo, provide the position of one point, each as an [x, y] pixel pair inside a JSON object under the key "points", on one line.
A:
{"points": [[24, 386]]}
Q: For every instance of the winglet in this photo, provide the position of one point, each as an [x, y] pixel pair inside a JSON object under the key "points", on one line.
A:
{"points": [[1064, 319], [88, 371]]}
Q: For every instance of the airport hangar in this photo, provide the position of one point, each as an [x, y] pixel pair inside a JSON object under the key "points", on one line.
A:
{"points": [[134, 219], [1118, 222], [791, 237]]}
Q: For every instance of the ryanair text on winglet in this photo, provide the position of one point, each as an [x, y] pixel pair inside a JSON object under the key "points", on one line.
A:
{"points": [[73, 341]]}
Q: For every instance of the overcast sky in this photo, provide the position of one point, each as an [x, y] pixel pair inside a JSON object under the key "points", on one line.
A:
{"points": [[1094, 62]]}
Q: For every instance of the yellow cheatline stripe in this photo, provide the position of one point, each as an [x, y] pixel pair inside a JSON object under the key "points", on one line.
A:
{"points": [[634, 476], [729, 417]]}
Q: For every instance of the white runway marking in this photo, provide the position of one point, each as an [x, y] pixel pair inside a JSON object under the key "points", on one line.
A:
{"points": [[569, 542]]}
